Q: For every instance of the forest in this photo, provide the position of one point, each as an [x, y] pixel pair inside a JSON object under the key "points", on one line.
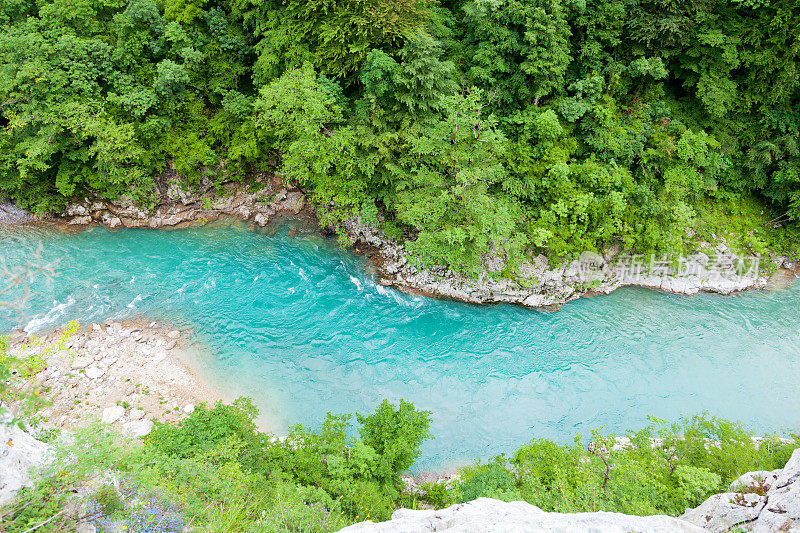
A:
{"points": [[461, 127]]}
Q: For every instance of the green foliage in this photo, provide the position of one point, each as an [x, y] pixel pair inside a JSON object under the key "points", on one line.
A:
{"points": [[490, 481], [215, 470], [469, 128], [395, 435], [205, 429], [685, 464]]}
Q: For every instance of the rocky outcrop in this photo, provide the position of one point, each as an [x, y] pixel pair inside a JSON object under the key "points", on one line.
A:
{"points": [[11, 214], [537, 284], [760, 502], [20, 453], [486, 515], [181, 205]]}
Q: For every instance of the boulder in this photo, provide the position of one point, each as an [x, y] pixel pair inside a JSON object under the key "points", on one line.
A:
{"points": [[112, 414], [94, 372], [723, 511], [19, 453], [486, 515], [137, 428]]}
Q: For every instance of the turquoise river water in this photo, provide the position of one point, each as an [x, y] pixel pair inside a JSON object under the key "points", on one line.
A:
{"points": [[301, 326]]}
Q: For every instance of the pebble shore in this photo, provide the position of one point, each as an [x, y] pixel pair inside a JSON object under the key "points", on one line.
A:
{"points": [[128, 374]]}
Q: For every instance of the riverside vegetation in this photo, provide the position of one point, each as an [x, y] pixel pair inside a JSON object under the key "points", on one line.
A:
{"points": [[214, 471], [461, 127]]}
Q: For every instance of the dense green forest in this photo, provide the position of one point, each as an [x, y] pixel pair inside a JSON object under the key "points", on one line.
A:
{"points": [[533, 126]]}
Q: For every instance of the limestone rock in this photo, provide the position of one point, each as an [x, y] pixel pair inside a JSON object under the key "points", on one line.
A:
{"points": [[81, 362], [486, 515], [19, 453], [791, 472], [80, 221], [112, 414], [136, 414], [137, 428], [723, 511], [94, 372], [85, 527], [188, 408]]}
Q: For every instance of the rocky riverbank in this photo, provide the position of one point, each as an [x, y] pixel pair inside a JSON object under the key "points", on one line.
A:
{"points": [[127, 374], [535, 282]]}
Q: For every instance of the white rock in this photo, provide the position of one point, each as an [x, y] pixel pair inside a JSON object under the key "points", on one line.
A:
{"points": [[188, 408], [173, 334], [94, 372], [112, 414], [19, 453], [791, 472], [486, 515], [786, 500], [750, 480], [137, 428], [170, 345], [136, 414], [81, 362], [769, 522], [723, 511], [85, 527]]}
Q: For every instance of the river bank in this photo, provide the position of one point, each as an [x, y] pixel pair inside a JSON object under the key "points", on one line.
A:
{"points": [[534, 283], [128, 374]]}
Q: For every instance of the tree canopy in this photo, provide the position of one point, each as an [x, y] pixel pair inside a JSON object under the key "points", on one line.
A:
{"points": [[513, 126]]}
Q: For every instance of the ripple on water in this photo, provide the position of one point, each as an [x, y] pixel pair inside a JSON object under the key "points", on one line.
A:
{"points": [[300, 326]]}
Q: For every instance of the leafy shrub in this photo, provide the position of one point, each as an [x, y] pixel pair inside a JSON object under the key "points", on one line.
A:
{"points": [[491, 480]]}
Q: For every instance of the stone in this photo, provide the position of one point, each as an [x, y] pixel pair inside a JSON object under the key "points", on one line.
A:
{"points": [[170, 345], [791, 472], [173, 334], [137, 428], [786, 500], [85, 527], [80, 221], [721, 512], [19, 453], [81, 362], [136, 414], [188, 408], [486, 515], [112, 414], [94, 372], [769, 522], [746, 482], [260, 219]]}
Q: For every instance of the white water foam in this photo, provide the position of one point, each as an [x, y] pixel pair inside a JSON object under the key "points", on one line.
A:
{"points": [[52, 317]]}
